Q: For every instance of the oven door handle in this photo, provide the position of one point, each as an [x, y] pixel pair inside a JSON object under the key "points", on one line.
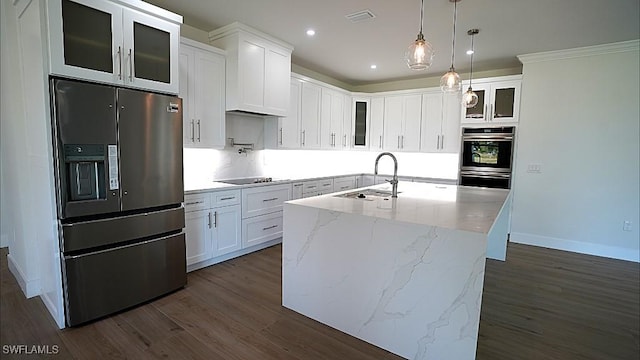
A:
{"points": [[485, 175], [476, 137]]}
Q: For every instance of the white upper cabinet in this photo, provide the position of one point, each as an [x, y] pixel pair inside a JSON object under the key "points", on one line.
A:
{"points": [[498, 101], [360, 123], [402, 116], [289, 126], [202, 89], [258, 70], [347, 125], [440, 123], [376, 135], [310, 98], [331, 119], [133, 45]]}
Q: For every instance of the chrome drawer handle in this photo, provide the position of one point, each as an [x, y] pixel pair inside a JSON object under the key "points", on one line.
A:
{"points": [[272, 199], [270, 227], [227, 198], [195, 202]]}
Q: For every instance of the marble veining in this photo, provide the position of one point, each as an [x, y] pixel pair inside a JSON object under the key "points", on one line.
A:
{"points": [[411, 287]]}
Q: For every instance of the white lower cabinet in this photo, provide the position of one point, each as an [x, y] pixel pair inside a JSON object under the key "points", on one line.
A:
{"points": [[212, 226], [317, 187], [262, 213], [344, 183], [226, 236], [260, 229], [198, 236]]}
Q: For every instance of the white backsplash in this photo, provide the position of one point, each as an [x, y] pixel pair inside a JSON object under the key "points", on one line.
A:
{"points": [[203, 165]]}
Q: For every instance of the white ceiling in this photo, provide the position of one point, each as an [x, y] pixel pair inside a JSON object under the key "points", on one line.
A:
{"points": [[344, 50]]}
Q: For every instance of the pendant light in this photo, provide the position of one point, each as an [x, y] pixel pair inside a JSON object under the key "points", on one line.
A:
{"points": [[470, 98], [419, 55], [450, 82]]}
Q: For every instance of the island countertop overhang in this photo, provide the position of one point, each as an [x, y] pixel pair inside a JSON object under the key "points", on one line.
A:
{"points": [[447, 206]]}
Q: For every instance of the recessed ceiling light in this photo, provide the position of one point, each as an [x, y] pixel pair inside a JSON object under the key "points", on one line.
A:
{"points": [[469, 52], [374, 66], [311, 32]]}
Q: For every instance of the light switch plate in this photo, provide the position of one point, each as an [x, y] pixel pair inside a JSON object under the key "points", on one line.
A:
{"points": [[534, 168]]}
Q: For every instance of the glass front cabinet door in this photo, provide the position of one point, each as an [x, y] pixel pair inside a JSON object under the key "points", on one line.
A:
{"points": [[106, 42], [498, 102]]}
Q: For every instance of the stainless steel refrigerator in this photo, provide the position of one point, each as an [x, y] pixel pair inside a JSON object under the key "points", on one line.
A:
{"points": [[119, 183]]}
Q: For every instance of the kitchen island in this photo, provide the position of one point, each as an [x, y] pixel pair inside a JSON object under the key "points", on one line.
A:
{"points": [[405, 274]]}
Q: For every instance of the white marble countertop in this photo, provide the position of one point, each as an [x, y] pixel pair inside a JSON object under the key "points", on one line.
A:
{"points": [[448, 206], [199, 186]]}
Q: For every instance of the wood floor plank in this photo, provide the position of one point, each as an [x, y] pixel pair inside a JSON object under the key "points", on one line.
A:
{"points": [[539, 304]]}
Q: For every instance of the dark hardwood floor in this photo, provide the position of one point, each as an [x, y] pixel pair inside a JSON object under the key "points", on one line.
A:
{"points": [[540, 304]]}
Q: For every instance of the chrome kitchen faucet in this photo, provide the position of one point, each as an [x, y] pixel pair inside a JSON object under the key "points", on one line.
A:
{"points": [[394, 181]]}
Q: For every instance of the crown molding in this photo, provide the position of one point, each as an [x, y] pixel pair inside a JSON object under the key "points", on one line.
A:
{"points": [[618, 47]]}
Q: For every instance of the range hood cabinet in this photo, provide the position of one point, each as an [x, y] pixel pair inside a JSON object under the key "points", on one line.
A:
{"points": [[258, 70]]}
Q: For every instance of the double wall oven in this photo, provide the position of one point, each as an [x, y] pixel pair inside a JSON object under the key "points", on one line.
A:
{"points": [[486, 157]]}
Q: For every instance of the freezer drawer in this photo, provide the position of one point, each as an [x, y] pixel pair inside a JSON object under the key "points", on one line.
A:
{"points": [[91, 234], [101, 283]]}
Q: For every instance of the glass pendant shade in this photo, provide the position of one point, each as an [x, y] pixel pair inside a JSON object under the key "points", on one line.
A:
{"points": [[450, 82], [469, 98], [419, 55]]}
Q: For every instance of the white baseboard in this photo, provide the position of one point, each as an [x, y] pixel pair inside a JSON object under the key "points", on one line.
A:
{"points": [[56, 312], [235, 254], [581, 247], [30, 288]]}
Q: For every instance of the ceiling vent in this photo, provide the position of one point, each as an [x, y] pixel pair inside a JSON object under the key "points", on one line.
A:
{"points": [[360, 16]]}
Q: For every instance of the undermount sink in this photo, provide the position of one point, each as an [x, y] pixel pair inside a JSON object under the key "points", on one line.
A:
{"points": [[366, 194], [245, 181]]}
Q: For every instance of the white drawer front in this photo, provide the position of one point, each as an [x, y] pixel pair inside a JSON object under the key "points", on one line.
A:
{"points": [[344, 183], [264, 200], [325, 186], [196, 202], [261, 229], [224, 198], [310, 186]]}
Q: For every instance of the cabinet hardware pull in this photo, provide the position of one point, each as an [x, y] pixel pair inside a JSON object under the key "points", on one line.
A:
{"points": [[297, 185], [271, 199], [119, 62], [398, 141], [380, 143], [198, 130], [280, 136], [442, 142], [402, 141], [486, 113], [130, 67], [491, 111], [193, 131], [227, 198], [344, 140], [195, 202], [304, 138], [209, 216], [215, 219], [270, 227], [311, 187]]}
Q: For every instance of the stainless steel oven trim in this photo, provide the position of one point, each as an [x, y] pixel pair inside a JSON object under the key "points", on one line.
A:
{"points": [[483, 170], [487, 175], [488, 137]]}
